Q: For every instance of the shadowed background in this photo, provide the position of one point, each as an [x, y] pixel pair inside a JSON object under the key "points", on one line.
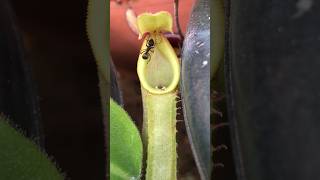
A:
{"points": [[64, 71]]}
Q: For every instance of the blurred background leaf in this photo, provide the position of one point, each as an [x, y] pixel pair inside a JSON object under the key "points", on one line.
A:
{"points": [[22, 159], [125, 145]]}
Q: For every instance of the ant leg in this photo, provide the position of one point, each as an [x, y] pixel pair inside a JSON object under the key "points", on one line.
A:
{"points": [[149, 57], [149, 37], [143, 51]]}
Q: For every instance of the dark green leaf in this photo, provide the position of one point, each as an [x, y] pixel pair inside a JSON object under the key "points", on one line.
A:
{"points": [[21, 159]]}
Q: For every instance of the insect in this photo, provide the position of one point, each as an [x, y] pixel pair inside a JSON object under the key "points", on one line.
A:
{"points": [[146, 52]]}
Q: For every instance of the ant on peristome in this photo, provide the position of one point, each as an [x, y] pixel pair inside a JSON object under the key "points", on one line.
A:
{"points": [[146, 53]]}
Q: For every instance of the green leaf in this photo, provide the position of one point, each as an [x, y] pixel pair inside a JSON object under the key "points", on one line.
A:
{"points": [[22, 159], [125, 145]]}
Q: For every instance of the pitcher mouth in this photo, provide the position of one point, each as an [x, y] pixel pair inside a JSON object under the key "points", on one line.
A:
{"points": [[174, 39], [160, 73]]}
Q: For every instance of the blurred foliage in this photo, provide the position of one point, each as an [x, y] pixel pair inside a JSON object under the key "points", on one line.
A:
{"points": [[22, 159], [125, 145]]}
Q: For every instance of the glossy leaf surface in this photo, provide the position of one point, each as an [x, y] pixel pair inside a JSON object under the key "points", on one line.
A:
{"points": [[195, 83]]}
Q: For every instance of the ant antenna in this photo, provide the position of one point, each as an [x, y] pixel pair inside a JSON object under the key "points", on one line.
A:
{"points": [[157, 37]]}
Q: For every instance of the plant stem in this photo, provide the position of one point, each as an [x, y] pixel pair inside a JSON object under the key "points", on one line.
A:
{"points": [[160, 123], [176, 16]]}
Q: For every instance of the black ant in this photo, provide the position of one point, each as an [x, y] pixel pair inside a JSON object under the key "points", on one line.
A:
{"points": [[146, 53]]}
